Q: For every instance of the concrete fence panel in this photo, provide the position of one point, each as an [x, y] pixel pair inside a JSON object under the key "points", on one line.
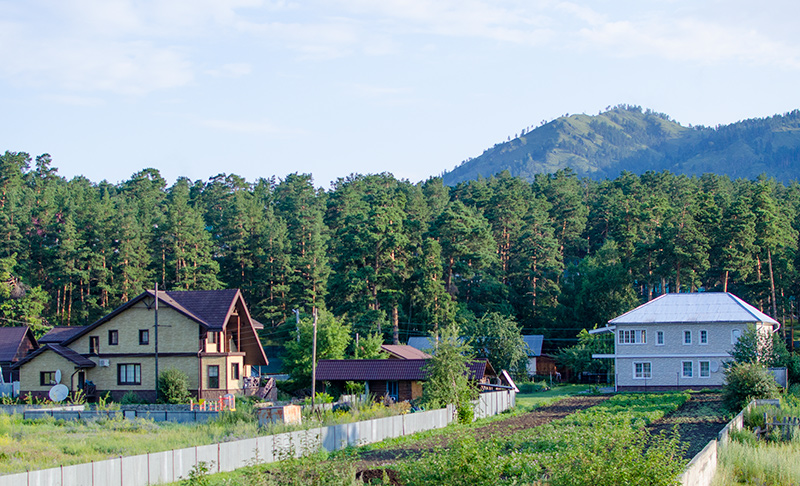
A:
{"points": [[702, 467], [183, 462], [14, 479], [208, 454], [134, 467], [160, 468], [76, 475], [236, 454], [327, 437], [265, 449], [107, 473]]}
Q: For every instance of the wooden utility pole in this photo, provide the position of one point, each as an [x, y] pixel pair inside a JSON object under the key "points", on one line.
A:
{"points": [[314, 362], [156, 335]]}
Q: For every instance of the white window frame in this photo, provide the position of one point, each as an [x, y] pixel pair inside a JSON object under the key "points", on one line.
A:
{"points": [[632, 336], [646, 374], [683, 369], [687, 333], [659, 338], [708, 369], [703, 337]]}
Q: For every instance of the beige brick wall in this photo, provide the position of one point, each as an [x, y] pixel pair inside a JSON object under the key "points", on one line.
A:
{"points": [[176, 333], [47, 361]]}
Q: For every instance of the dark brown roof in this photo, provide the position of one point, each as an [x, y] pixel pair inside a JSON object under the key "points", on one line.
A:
{"points": [[59, 334], [383, 369], [77, 359], [404, 351], [11, 339], [211, 306]]}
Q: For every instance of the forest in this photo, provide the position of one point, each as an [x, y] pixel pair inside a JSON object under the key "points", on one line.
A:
{"points": [[556, 255]]}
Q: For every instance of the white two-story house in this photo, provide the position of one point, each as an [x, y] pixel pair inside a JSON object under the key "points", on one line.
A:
{"points": [[680, 341]]}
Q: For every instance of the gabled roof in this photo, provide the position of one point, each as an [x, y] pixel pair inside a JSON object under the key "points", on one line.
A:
{"points": [[212, 307], [59, 334], [384, 369], [11, 338], [403, 351], [64, 352], [533, 344], [700, 307]]}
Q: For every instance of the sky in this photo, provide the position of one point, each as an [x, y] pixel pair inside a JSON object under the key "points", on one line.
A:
{"points": [[196, 88]]}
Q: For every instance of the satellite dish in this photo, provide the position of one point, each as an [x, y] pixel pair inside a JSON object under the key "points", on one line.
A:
{"points": [[58, 376], [714, 366], [58, 393]]}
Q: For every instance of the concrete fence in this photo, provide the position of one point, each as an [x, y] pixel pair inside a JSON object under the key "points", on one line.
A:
{"points": [[700, 471], [171, 466]]}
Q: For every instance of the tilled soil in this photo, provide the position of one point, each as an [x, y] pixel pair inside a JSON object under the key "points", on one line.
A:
{"points": [[698, 421], [535, 418]]}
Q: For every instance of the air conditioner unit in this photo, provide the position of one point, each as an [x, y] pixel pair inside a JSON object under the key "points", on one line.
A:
{"points": [[104, 362]]}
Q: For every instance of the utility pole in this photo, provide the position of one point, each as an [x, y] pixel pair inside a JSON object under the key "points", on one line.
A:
{"points": [[297, 323], [314, 362], [156, 335]]}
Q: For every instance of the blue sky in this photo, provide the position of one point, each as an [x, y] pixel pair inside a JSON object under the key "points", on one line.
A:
{"points": [[258, 88]]}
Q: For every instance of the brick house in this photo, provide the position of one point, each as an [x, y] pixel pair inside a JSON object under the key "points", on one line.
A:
{"points": [[207, 334], [15, 344]]}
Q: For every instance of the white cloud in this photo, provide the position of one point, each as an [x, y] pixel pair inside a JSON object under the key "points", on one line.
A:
{"points": [[232, 70], [689, 39]]}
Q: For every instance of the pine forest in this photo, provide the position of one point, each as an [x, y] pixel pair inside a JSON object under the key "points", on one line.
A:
{"points": [[557, 254]]}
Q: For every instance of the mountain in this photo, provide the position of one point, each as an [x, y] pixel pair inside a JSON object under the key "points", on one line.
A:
{"points": [[628, 138]]}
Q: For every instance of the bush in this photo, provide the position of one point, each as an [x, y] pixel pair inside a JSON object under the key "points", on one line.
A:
{"points": [[466, 414], [131, 398], [173, 386], [745, 382]]}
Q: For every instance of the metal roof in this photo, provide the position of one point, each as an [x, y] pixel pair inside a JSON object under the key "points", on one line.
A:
{"points": [[423, 343], [403, 351], [701, 307], [534, 344]]}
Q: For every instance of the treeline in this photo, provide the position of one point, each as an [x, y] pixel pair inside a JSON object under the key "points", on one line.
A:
{"points": [[558, 254]]}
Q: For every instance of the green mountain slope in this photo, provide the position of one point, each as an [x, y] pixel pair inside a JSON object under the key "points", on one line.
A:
{"points": [[628, 138]]}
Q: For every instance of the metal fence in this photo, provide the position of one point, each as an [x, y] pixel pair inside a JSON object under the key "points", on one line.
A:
{"points": [[172, 466]]}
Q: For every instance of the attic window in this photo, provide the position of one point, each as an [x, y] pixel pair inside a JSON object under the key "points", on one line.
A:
{"points": [[113, 337]]}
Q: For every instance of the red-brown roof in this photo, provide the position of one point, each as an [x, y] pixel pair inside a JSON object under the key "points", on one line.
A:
{"points": [[383, 369], [404, 351], [11, 339]]}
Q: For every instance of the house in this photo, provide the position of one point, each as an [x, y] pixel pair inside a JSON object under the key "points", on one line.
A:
{"points": [[680, 341], [538, 363], [401, 379], [15, 344], [208, 334]]}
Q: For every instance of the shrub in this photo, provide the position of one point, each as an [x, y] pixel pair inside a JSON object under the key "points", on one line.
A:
{"points": [[745, 382], [173, 386], [466, 414], [131, 398]]}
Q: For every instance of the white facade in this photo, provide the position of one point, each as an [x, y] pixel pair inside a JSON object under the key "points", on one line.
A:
{"points": [[680, 340]]}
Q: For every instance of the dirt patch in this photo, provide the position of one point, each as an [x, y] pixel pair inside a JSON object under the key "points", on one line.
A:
{"points": [[535, 418], [379, 476], [698, 421]]}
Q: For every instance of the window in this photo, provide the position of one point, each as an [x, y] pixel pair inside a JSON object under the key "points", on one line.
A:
{"points": [[393, 390], [234, 371], [47, 378], [144, 336], [129, 374], [213, 376], [659, 338], [687, 369], [641, 371], [735, 334], [113, 338], [94, 344], [212, 338], [633, 336], [705, 369], [703, 337], [687, 337]]}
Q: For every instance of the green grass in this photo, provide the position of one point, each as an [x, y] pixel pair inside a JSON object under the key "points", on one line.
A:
{"points": [[766, 464]]}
